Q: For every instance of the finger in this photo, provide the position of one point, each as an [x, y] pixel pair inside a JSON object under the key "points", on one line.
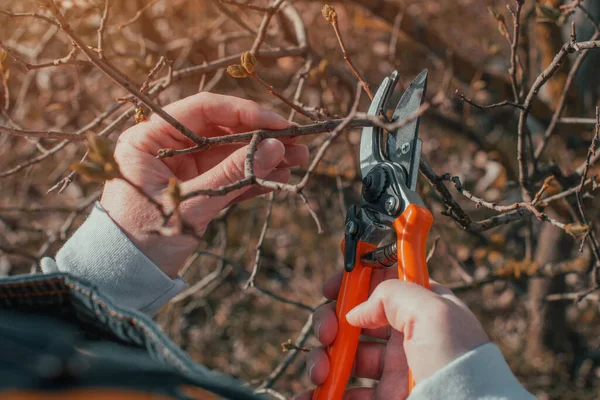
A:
{"points": [[394, 301], [269, 154], [382, 332], [278, 175], [202, 111], [394, 377], [317, 365], [331, 287], [306, 395], [325, 323], [294, 155], [361, 394], [349, 394], [368, 362]]}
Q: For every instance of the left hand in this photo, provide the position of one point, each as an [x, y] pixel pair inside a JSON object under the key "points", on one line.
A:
{"points": [[208, 115]]}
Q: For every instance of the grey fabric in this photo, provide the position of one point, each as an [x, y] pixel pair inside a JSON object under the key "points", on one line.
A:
{"points": [[482, 374], [102, 254]]}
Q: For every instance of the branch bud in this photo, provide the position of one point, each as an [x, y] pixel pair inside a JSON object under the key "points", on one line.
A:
{"points": [[140, 115], [576, 229], [249, 62], [237, 71], [329, 14]]}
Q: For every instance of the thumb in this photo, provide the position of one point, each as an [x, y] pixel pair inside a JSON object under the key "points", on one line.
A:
{"points": [[393, 302]]}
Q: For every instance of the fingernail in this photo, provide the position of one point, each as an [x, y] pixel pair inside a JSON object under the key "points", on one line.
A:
{"points": [[353, 314], [270, 152], [310, 364], [317, 328]]}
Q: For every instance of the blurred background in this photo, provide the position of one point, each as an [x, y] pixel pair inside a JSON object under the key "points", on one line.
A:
{"points": [[530, 276]]}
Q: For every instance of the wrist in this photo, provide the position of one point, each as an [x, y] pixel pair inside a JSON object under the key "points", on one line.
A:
{"points": [[141, 223]]}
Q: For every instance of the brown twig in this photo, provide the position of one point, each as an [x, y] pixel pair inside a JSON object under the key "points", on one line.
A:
{"points": [[488, 106], [291, 355], [248, 6], [161, 62], [42, 134], [69, 59], [117, 77], [566, 49], [275, 93], [331, 16], [259, 245], [514, 48], [138, 14], [569, 81], [264, 25], [99, 47], [28, 15]]}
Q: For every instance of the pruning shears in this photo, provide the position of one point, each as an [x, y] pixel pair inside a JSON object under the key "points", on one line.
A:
{"points": [[389, 203]]}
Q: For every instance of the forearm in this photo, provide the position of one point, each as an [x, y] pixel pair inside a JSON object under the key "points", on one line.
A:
{"points": [[480, 374], [101, 253]]}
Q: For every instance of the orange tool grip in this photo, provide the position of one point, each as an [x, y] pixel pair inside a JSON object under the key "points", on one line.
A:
{"points": [[353, 291], [412, 228]]}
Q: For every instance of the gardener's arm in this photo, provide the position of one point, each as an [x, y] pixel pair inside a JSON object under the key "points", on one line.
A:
{"points": [[115, 249], [431, 332]]}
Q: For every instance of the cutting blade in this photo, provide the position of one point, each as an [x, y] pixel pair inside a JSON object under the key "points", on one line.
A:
{"points": [[403, 146], [371, 152]]}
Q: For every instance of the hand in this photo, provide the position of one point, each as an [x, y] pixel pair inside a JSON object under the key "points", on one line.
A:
{"points": [[208, 115], [424, 329]]}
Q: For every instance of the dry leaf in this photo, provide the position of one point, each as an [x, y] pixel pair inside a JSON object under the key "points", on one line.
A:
{"points": [[174, 192], [140, 116], [577, 229], [101, 164], [249, 62], [237, 71]]}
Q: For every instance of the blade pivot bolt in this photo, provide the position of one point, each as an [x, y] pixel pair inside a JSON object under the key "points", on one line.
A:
{"points": [[391, 205], [405, 148]]}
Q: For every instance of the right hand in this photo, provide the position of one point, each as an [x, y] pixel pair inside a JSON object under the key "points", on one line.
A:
{"points": [[425, 330]]}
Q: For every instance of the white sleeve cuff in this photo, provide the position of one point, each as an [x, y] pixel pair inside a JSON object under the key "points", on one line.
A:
{"points": [[102, 254], [482, 373]]}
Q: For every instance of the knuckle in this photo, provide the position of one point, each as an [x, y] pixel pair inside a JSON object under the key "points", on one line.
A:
{"points": [[232, 170]]}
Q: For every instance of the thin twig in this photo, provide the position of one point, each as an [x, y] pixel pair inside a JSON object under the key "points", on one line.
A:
{"points": [[138, 14], [99, 47], [259, 245], [566, 49], [264, 25], [514, 48], [32, 15], [331, 16], [563, 97], [489, 106], [117, 77], [275, 93], [246, 5]]}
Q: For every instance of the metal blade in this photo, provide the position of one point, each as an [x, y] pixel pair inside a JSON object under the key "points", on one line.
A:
{"points": [[402, 145], [370, 141]]}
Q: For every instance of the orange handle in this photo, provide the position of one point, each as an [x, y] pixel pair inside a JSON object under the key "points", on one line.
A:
{"points": [[354, 291], [412, 228]]}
